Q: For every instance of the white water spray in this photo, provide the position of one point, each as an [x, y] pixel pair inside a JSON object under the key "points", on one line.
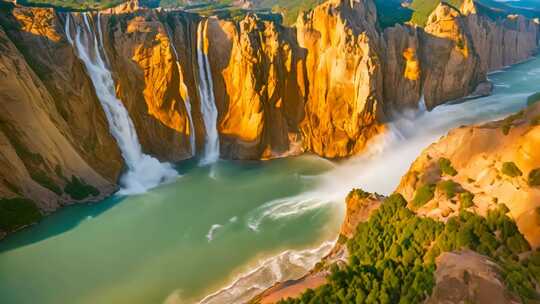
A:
{"points": [[187, 102], [390, 155], [143, 171], [208, 103], [289, 265]]}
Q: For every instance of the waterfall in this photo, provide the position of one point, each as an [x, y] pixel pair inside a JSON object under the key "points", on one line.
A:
{"points": [[208, 103], [187, 102], [422, 108], [143, 171]]}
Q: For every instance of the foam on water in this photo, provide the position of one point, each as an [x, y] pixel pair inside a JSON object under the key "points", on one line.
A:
{"points": [[289, 265], [143, 171], [210, 235]]}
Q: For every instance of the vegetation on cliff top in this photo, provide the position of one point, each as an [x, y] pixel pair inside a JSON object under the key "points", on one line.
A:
{"points": [[423, 8], [392, 255]]}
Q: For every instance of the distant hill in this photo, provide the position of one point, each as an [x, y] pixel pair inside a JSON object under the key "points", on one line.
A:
{"points": [[492, 8], [389, 11]]}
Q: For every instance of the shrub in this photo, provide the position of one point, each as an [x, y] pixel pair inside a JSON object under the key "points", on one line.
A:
{"points": [[423, 195], [506, 128], [44, 180], [446, 167], [17, 212], [359, 193], [448, 187], [534, 178], [79, 190], [466, 200], [510, 169], [534, 98], [507, 123]]}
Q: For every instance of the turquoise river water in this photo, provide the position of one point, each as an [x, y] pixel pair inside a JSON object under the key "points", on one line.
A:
{"points": [[227, 230]]}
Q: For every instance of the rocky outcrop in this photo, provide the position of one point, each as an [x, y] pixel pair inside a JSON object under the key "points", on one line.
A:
{"points": [[500, 44], [495, 162], [466, 276], [149, 81], [450, 57], [258, 72], [344, 74], [452, 62]]}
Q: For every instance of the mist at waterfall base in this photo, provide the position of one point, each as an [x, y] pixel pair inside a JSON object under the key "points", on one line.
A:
{"points": [[143, 171], [250, 225]]}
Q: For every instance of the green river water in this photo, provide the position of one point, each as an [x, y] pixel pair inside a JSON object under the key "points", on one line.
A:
{"points": [[187, 239]]}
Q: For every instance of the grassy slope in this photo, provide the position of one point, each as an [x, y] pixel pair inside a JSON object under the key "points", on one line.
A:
{"points": [[423, 8]]}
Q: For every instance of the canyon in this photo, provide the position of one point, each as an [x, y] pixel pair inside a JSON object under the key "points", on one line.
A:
{"points": [[479, 168], [252, 88]]}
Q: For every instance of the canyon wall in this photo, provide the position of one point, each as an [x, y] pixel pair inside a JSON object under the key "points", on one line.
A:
{"points": [[326, 85], [55, 141]]}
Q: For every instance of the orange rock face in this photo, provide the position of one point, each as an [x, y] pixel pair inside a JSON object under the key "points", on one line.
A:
{"points": [[40, 151], [344, 77], [149, 81], [256, 68]]}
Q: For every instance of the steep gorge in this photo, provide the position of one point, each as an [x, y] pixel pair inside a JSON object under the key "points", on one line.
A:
{"points": [[326, 86]]}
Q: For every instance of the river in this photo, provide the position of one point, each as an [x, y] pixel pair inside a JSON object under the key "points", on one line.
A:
{"points": [[237, 224]]}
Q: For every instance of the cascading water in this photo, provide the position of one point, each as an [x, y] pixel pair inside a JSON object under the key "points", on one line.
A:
{"points": [[143, 171], [187, 102], [422, 105], [208, 103]]}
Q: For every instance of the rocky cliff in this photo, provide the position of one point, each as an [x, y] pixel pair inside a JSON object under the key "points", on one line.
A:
{"points": [[488, 172], [55, 144], [326, 85]]}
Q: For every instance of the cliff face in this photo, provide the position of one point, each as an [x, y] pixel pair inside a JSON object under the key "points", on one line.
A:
{"points": [[153, 87], [44, 156], [325, 86], [43, 47], [344, 77], [257, 71]]}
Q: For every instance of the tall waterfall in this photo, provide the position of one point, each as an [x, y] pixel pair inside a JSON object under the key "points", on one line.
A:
{"points": [[143, 171], [187, 102], [208, 103]]}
